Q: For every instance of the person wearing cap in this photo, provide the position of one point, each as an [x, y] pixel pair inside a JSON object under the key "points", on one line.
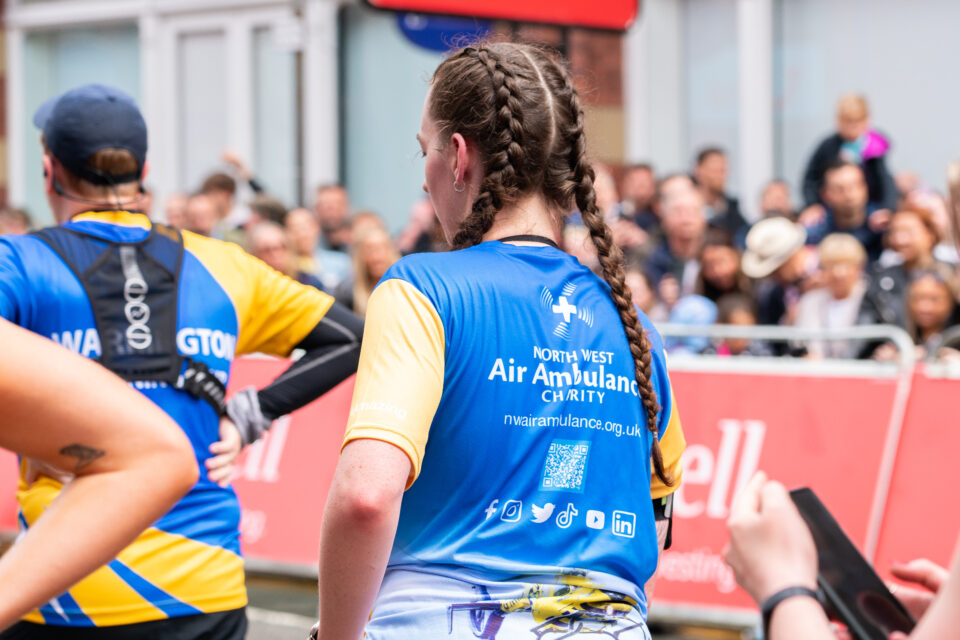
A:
{"points": [[167, 311], [778, 257]]}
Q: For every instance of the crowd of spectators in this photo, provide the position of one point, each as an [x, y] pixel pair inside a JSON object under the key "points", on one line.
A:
{"points": [[865, 247]]}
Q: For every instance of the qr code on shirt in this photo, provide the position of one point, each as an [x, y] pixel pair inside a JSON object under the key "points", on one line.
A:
{"points": [[566, 465]]}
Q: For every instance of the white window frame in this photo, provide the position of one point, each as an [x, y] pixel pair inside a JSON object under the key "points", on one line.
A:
{"points": [[160, 23]]}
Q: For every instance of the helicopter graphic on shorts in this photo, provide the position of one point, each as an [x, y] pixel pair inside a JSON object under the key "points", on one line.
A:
{"points": [[560, 611]]}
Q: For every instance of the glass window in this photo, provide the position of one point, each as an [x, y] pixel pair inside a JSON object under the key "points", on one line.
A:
{"points": [[202, 105], [57, 61], [276, 129], [384, 82]]}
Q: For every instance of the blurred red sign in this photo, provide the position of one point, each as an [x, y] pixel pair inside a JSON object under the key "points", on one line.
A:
{"points": [[598, 14]]}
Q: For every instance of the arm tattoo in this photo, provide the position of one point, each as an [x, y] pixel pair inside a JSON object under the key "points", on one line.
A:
{"points": [[85, 455]]}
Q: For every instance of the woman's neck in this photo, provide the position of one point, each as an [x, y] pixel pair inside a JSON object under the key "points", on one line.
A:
{"points": [[529, 216]]}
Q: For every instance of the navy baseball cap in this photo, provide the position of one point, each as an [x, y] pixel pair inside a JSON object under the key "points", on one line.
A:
{"points": [[88, 119]]}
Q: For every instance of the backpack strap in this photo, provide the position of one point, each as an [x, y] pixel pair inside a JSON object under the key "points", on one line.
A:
{"points": [[133, 292]]}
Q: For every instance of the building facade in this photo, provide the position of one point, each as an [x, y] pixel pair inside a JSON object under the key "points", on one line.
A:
{"points": [[318, 91]]}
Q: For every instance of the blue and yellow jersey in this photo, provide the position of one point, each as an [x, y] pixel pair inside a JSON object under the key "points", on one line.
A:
{"points": [[505, 375], [189, 561]]}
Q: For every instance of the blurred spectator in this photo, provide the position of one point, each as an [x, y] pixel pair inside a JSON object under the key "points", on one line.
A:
{"points": [[720, 272], [265, 208], [906, 182], [417, 236], [628, 235], [362, 221], [775, 201], [333, 214], [778, 256], [14, 222], [268, 241], [684, 228], [848, 210], [373, 253], [931, 302], [243, 172], [330, 267], [835, 305], [671, 185], [220, 189], [912, 236], [175, 209], [200, 214], [638, 190], [854, 142], [737, 309], [929, 200], [262, 208], [723, 211], [695, 311], [608, 199], [641, 290]]}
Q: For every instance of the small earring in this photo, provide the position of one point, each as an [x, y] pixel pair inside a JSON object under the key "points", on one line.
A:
{"points": [[459, 186]]}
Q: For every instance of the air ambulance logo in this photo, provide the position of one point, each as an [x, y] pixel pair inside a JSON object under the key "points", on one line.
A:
{"points": [[564, 310]]}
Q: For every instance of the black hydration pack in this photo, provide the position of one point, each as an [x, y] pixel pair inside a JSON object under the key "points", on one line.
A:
{"points": [[133, 291]]}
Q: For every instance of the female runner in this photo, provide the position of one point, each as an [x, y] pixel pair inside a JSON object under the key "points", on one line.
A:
{"points": [[514, 395]]}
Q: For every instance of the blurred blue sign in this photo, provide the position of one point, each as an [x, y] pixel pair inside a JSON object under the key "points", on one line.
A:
{"points": [[441, 33]]}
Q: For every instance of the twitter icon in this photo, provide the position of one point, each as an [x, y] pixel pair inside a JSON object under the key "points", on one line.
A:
{"points": [[542, 514]]}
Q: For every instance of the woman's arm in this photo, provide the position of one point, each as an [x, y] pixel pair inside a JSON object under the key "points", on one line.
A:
{"points": [[131, 462], [359, 524]]}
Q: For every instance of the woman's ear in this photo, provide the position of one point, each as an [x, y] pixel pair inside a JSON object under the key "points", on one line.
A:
{"points": [[461, 158]]}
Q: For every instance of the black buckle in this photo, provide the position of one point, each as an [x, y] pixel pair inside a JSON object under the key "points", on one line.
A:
{"points": [[198, 381]]}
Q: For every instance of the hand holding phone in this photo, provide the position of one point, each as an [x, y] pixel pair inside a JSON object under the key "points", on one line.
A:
{"points": [[854, 593]]}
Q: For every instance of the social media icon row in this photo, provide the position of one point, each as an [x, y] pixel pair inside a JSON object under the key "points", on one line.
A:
{"points": [[624, 523]]}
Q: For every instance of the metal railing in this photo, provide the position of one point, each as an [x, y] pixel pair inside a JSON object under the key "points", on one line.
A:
{"points": [[887, 333]]}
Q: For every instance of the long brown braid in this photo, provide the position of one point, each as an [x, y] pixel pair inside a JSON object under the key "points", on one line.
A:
{"points": [[532, 134], [611, 261]]}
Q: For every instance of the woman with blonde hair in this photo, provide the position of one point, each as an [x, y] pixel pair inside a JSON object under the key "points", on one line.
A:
{"points": [[511, 399], [836, 304], [372, 253]]}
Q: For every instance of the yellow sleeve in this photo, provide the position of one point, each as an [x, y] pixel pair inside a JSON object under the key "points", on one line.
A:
{"points": [[274, 312], [672, 444], [400, 376]]}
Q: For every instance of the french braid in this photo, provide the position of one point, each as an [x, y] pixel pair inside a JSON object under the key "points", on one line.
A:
{"points": [[502, 179]]}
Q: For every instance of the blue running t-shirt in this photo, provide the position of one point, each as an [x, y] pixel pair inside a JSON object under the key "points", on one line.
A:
{"points": [[504, 373]]}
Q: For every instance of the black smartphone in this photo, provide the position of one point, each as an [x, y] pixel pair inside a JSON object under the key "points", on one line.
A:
{"points": [[855, 595]]}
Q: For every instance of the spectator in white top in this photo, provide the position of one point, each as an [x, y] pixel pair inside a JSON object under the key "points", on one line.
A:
{"points": [[835, 305]]}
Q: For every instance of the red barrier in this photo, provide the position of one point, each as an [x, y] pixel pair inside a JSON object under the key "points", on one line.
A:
{"points": [[921, 519], [827, 433], [803, 431], [283, 479]]}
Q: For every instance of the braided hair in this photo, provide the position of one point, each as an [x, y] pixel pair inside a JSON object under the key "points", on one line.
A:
{"points": [[518, 104]]}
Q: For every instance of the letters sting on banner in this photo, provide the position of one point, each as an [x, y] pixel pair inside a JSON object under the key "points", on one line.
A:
{"points": [[827, 433]]}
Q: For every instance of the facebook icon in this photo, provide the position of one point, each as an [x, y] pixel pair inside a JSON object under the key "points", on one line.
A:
{"points": [[624, 524]]}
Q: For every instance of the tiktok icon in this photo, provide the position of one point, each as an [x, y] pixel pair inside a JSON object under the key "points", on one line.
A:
{"points": [[565, 517]]}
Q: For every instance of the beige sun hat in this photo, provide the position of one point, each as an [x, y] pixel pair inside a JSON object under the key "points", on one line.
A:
{"points": [[770, 243]]}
